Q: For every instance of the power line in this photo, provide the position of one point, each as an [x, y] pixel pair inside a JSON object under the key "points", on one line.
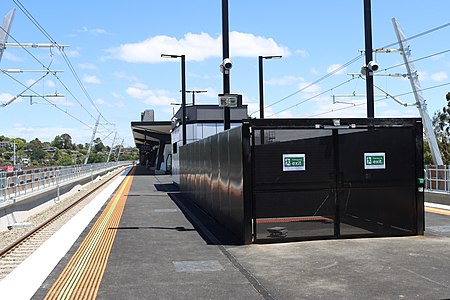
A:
{"points": [[317, 81], [315, 96], [418, 35], [381, 99], [418, 59], [61, 49], [51, 103]]}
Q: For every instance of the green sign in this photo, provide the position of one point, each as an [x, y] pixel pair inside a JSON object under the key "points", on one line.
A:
{"points": [[294, 162], [375, 160]]}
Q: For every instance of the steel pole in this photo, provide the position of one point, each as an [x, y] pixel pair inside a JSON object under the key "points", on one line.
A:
{"points": [[226, 54], [369, 58], [183, 96]]}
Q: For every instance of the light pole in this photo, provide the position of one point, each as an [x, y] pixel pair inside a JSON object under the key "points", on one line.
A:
{"points": [[183, 91], [368, 46], [193, 94], [261, 82], [261, 88], [226, 55]]}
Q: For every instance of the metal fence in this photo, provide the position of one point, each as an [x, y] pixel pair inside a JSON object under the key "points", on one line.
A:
{"points": [[437, 178], [19, 183]]}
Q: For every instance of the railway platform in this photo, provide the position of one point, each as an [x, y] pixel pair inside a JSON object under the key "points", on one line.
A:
{"points": [[142, 240]]}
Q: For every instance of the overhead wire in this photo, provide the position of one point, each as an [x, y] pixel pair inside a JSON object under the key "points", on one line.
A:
{"points": [[415, 60], [418, 35], [50, 102], [69, 64], [315, 82], [352, 61], [53, 73], [381, 99], [315, 96], [64, 55]]}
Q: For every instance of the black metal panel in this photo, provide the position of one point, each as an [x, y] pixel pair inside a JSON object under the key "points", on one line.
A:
{"points": [[318, 148], [212, 172], [337, 194]]}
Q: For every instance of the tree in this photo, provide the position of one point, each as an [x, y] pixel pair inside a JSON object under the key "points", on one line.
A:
{"points": [[65, 160], [57, 142], [441, 123], [67, 141]]}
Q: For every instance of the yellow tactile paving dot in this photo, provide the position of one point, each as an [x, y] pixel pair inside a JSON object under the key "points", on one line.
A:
{"points": [[81, 278]]}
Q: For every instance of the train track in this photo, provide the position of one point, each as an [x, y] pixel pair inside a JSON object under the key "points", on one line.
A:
{"points": [[14, 254]]}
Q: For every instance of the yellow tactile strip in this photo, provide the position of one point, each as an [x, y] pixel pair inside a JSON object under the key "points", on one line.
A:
{"points": [[81, 278], [437, 211]]}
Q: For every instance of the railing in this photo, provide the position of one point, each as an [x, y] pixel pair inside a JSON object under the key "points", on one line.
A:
{"points": [[19, 183], [437, 178]]}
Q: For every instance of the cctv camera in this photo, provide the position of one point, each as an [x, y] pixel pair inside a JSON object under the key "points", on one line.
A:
{"points": [[373, 66], [227, 64]]}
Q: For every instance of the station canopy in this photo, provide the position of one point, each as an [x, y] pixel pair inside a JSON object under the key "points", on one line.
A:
{"points": [[151, 133]]}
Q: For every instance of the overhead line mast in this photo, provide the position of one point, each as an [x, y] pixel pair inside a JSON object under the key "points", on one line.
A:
{"points": [[417, 90]]}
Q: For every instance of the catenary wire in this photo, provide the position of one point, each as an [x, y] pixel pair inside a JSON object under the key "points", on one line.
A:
{"points": [[315, 96], [381, 99]]}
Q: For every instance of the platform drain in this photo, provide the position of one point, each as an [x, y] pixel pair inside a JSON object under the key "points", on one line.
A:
{"points": [[165, 210], [197, 266]]}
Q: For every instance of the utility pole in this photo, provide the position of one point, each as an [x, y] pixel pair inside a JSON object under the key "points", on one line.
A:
{"points": [[120, 148], [226, 55], [112, 146], [417, 91], [92, 140], [369, 59]]}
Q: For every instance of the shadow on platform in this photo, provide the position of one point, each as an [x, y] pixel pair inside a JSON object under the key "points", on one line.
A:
{"points": [[209, 229]]}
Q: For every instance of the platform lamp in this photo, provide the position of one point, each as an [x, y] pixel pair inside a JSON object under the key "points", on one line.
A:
{"points": [[261, 88], [193, 92], [183, 91]]}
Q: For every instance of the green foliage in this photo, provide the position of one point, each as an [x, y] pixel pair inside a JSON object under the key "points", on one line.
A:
{"points": [[441, 123], [60, 151], [65, 160]]}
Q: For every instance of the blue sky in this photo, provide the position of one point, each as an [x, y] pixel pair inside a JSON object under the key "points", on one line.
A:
{"points": [[115, 49]]}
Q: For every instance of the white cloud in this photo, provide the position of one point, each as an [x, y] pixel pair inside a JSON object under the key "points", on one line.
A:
{"points": [[87, 66], [314, 71], [423, 75], [286, 80], [142, 93], [196, 47], [11, 57], [334, 67], [5, 97], [47, 134], [94, 31], [100, 101], [72, 53], [307, 87], [302, 53], [124, 75], [91, 79], [50, 83], [439, 76]]}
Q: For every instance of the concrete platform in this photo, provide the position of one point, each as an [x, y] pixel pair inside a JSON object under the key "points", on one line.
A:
{"points": [[166, 248]]}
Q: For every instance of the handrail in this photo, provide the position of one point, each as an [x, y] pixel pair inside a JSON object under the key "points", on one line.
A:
{"points": [[19, 183], [437, 178]]}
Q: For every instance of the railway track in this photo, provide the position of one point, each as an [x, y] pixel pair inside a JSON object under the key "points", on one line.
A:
{"points": [[15, 253]]}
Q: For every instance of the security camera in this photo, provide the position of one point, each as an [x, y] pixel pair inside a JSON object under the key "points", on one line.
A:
{"points": [[373, 66], [227, 64]]}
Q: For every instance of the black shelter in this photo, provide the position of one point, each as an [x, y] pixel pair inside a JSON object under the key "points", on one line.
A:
{"points": [[277, 180]]}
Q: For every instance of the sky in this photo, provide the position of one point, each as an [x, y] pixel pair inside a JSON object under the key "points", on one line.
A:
{"points": [[112, 64]]}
